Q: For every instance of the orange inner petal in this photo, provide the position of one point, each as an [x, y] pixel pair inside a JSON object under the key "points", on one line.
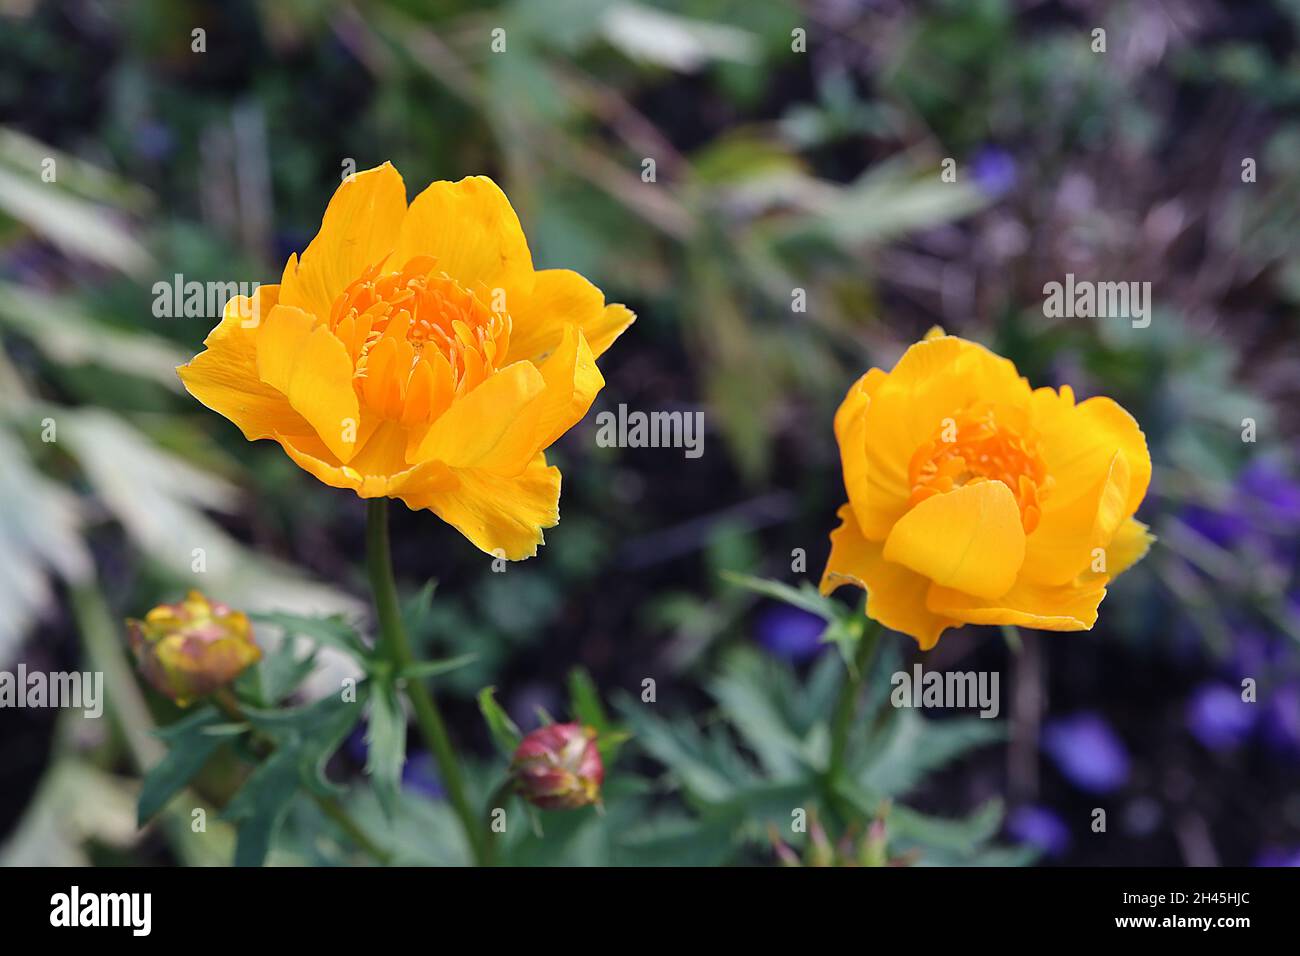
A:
{"points": [[973, 446], [417, 339]]}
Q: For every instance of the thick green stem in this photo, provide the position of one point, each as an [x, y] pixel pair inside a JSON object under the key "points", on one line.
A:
{"points": [[846, 705], [397, 649]]}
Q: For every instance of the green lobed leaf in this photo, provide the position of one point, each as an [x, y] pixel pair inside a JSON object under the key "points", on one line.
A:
{"points": [[805, 597], [504, 732], [421, 670], [386, 745], [261, 805], [189, 745], [332, 631], [586, 708]]}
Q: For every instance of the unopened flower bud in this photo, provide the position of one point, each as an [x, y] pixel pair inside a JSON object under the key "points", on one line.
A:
{"points": [[558, 767], [189, 649], [874, 847]]}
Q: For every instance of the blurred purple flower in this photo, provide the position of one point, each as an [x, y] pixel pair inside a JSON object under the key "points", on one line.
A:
{"points": [[154, 140], [1281, 718], [1276, 496], [1278, 856], [419, 775], [1041, 827], [1218, 717], [1221, 527], [1087, 752], [355, 744], [1265, 505], [1254, 652], [994, 170], [789, 633]]}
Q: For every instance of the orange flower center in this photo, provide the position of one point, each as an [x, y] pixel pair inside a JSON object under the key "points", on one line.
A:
{"points": [[417, 338], [974, 446]]}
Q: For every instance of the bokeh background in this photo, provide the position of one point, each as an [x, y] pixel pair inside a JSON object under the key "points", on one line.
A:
{"points": [[775, 170]]}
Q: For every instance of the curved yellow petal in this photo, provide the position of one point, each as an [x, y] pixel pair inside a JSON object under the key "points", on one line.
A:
{"points": [[495, 428], [1077, 443], [502, 516], [561, 297], [472, 231], [855, 403], [572, 383], [1063, 544], [359, 229], [1129, 546], [1065, 607], [895, 595], [969, 538], [934, 380], [377, 471], [306, 362], [606, 327], [851, 434], [224, 376]]}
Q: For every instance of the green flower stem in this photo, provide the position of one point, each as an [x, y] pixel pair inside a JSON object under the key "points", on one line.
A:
{"points": [[397, 649], [228, 704], [846, 705]]}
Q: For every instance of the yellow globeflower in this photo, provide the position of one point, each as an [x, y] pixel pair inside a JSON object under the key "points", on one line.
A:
{"points": [[974, 499], [415, 353]]}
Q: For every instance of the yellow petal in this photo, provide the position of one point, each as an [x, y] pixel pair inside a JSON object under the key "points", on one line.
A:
{"points": [[851, 433], [608, 326], [378, 471], [307, 363], [572, 383], [472, 231], [1129, 546], [1065, 607], [496, 427], [359, 229], [895, 595], [224, 376], [934, 380], [856, 401], [559, 298], [1063, 544], [969, 538], [502, 516], [1077, 443]]}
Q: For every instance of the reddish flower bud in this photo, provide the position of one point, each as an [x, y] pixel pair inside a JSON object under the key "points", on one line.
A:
{"points": [[558, 767], [189, 649]]}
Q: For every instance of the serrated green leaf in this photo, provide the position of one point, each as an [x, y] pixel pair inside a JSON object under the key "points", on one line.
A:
{"points": [[279, 673], [678, 842], [806, 597], [415, 611], [332, 631], [261, 805], [751, 693], [420, 670], [964, 834], [188, 749], [386, 745], [845, 632], [504, 732], [584, 700], [709, 769], [910, 746], [586, 708], [312, 734]]}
